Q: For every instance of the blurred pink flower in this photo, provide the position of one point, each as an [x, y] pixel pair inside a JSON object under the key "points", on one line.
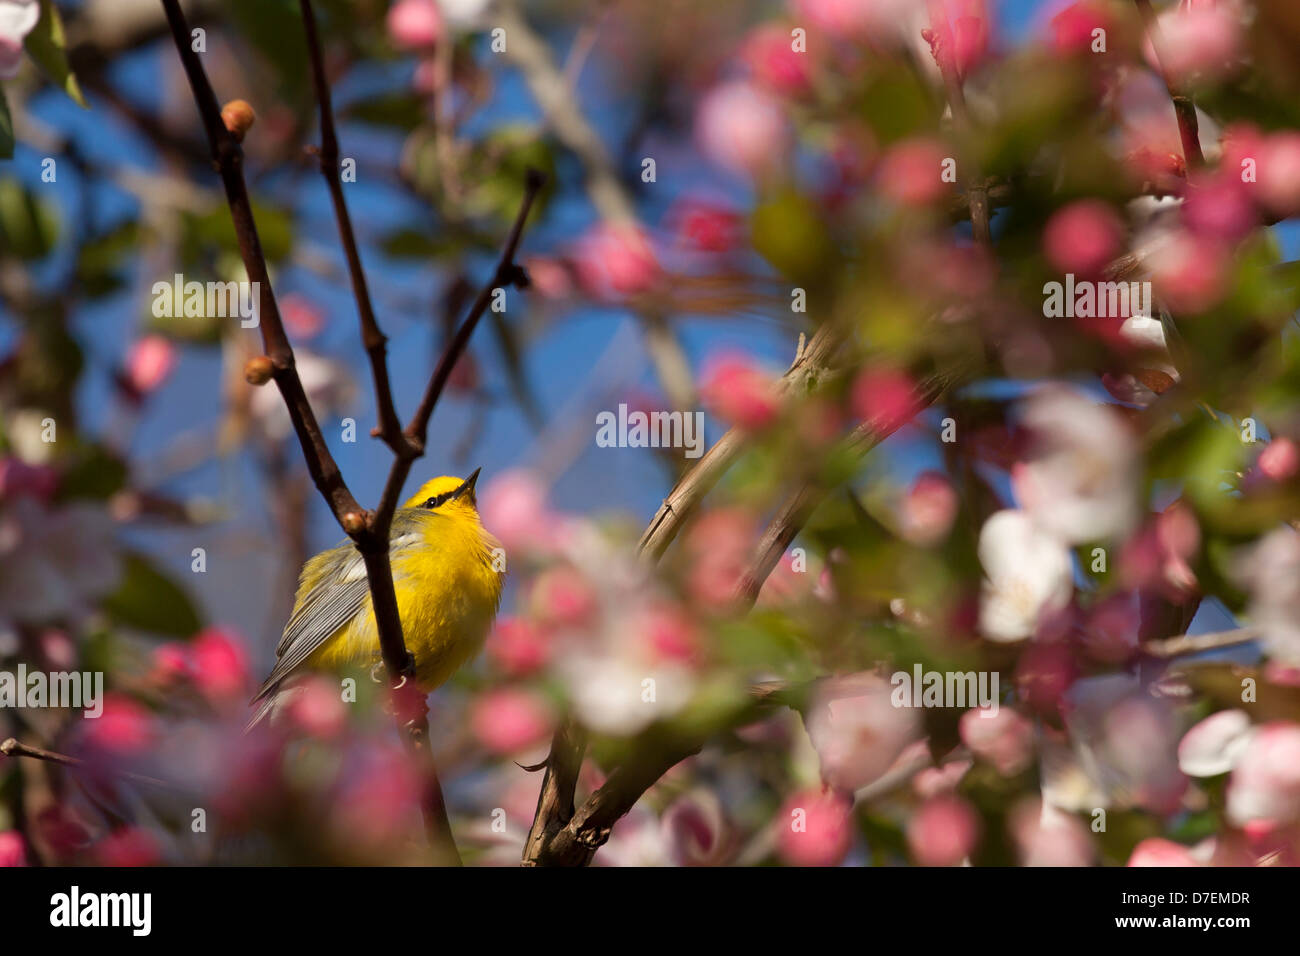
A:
{"points": [[1265, 782], [667, 632], [563, 597], [414, 24], [148, 363], [13, 850], [1270, 571], [1213, 746], [742, 128], [1190, 271], [513, 507], [769, 52], [301, 316], [125, 726], [170, 662], [378, 802], [959, 29], [1083, 237], [910, 172], [696, 830], [221, 669], [507, 720], [928, 510], [1197, 43], [1219, 205], [1155, 851], [934, 781], [549, 278], [1044, 673], [943, 831], [129, 847], [1110, 633], [1280, 459], [1278, 173], [816, 828], [885, 398], [706, 226], [518, 646], [1072, 28], [737, 390], [1046, 836], [1005, 739], [616, 261], [317, 709], [856, 729]]}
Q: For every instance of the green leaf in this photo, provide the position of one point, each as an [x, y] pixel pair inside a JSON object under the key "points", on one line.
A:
{"points": [[149, 601], [46, 44], [6, 129]]}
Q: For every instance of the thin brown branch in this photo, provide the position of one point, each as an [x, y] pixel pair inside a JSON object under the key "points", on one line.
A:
{"points": [[1196, 643], [13, 748], [389, 427], [1184, 105]]}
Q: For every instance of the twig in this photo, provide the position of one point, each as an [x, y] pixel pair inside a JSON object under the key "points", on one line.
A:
{"points": [[1196, 643], [389, 427], [1184, 105], [13, 748]]}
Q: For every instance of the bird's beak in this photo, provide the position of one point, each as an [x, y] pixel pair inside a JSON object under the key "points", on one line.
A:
{"points": [[468, 486]]}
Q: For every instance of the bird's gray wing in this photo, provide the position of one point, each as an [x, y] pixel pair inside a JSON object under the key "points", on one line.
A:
{"points": [[337, 597]]}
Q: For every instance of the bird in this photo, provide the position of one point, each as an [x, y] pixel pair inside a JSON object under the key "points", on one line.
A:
{"points": [[448, 592]]}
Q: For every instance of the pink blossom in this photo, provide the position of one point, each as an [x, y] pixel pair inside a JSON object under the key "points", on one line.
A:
{"points": [[1197, 44], [706, 226], [616, 261], [13, 849], [696, 830], [1218, 206], [149, 362], [1278, 173], [943, 832], [958, 29], [171, 661], [317, 708], [129, 847], [815, 828], [910, 172], [1083, 236], [928, 509], [124, 727], [513, 507], [885, 398], [414, 24], [221, 669], [856, 729], [769, 52], [549, 278], [742, 128], [1003, 737], [507, 720], [933, 781], [518, 646], [1155, 851], [378, 802], [737, 390], [667, 632], [1280, 459], [1072, 28], [562, 596], [1265, 783], [301, 316], [1046, 836]]}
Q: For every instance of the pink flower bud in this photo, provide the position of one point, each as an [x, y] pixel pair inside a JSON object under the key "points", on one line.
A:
{"points": [[513, 507], [735, 389], [911, 172], [1072, 28], [706, 226], [149, 362], [816, 828], [928, 509], [769, 52], [616, 261], [943, 831], [1190, 271], [221, 669], [317, 709], [1083, 236], [563, 597], [742, 128], [414, 24], [124, 727], [885, 398], [1155, 851], [1278, 173], [508, 720], [1005, 739], [1198, 44], [13, 851], [518, 646], [1280, 459], [131, 846], [1219, 206]]}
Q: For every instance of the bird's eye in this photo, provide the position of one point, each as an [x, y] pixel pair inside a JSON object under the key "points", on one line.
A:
{"points": [[437, 500]]}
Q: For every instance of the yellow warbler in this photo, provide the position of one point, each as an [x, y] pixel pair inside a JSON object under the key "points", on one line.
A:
{"points": [[448, 592]]}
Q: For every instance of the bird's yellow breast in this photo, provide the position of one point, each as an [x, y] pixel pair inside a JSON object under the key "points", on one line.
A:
{"points": [[447, 590]]}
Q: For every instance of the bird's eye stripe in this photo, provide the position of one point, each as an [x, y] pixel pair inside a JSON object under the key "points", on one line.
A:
{"points": [[437, 500]]}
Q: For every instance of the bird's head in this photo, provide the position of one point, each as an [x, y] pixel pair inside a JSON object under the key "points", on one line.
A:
{"points": [[447, 495]]}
